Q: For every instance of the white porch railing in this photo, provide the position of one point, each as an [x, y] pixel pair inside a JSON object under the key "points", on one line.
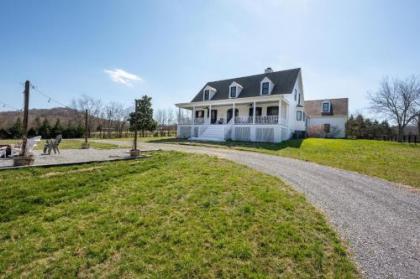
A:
{"points": [[185, 121], [239, 120], [270, 119], [243, 120], [199, 121]]}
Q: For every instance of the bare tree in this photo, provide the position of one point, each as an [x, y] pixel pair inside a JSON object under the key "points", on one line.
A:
{"points": [[170, 114], [120, 116], [160, 117], [93, 106], [398, 101]]}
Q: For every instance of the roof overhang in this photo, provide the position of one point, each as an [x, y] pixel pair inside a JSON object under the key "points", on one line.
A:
{"points": [[246, 100]]}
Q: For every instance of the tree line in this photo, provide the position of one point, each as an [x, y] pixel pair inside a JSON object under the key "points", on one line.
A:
{"points": [[44, 129], [105, 120], [359, 127]]}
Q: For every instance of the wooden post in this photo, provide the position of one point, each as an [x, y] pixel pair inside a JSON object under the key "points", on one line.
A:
{"points": [[25, 117], [135, 139], [86, 127]]}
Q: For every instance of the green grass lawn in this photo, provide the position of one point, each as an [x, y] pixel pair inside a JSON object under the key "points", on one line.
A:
{"points": [[162, 217], [69, 144], [397, 162]]}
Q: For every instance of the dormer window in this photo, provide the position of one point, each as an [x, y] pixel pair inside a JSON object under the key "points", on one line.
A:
{"points": [[208, 93], [326, 107], [235, 90], [265, 88]]}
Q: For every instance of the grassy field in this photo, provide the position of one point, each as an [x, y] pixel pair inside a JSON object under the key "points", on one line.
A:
{"points": [[162, 217], [69, 144], [388, 160]]}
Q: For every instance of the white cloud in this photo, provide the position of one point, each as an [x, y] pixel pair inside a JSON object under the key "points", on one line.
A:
{"points": [[123, 77]]}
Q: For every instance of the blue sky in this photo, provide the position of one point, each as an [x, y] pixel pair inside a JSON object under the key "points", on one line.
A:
{"points": [[171, 48]]}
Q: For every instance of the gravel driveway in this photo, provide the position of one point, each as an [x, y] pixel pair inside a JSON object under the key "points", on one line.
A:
{"points": [[380, 220]]}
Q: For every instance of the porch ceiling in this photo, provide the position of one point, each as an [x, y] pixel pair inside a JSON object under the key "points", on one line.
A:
{"points": [[230, 102]]}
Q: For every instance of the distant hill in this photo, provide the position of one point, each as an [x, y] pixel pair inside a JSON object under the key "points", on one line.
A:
{"points": [[66, 115]]}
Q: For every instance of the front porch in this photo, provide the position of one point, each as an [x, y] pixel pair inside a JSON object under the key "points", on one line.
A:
{"points": [[260, 113], [264, 121]]}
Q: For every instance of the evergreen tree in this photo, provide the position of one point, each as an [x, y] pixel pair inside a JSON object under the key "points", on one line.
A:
{"points": [[57, 129], [142, 118], [45, 129], [364, 128], [16, 130]]}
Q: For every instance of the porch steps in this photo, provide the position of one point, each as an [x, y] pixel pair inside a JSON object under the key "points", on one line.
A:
{"points": [[212, 133]]}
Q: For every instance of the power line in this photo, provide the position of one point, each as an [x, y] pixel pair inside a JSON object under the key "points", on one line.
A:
{"points": [[50, 99]]}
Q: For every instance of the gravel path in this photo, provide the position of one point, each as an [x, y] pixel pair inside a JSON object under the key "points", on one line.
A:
{"points": [[69, 156], [380, 220]]}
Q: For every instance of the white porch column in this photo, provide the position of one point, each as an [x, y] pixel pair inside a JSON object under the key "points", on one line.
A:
{"points": [[193, 115], [279, 121], [210, 114], [233, 113], [179, 115], [254, 110]]}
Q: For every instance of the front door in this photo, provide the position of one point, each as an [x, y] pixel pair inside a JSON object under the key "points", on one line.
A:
{"points": [[213, 118]]}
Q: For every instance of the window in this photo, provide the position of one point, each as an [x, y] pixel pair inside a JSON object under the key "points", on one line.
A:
{"points": [[299, 116], [299, 99], [206, 95], [272, 111], [199, 113], [326, 107], [265, 87], [258, 111], [295, 94], [233, 92]]}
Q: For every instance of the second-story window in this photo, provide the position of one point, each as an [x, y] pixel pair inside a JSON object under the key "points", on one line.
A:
{"points": [[326, 107], [295, 94], [265, 88], [206, 95], [233, 92]]}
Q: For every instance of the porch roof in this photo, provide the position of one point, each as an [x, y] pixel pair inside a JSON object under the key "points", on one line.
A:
{"points": [[227, 102]]}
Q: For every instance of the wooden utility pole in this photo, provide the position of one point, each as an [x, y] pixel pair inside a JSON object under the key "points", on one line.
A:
{"points": [[85, 145], [86, 127], [25, 117]]}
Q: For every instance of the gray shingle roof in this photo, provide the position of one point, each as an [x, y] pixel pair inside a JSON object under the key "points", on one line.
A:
{"points": [[283, 84]]}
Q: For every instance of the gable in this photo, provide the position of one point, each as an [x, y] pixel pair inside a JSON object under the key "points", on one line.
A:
{"points": [[283, 82]]}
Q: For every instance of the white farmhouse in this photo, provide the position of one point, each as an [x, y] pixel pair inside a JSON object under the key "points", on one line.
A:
{"points": [[267, 107]]}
